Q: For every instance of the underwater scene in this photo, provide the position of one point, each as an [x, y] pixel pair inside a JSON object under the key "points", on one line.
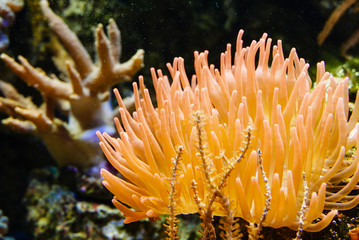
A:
{"points": [[152, 119]]}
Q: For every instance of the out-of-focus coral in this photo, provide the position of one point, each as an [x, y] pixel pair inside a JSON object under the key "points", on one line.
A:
{"points": [[3, 224], [348, 69], [354, 234], [7, 17], [333, 19], [251, 139], [82, 99], [53, 212]]}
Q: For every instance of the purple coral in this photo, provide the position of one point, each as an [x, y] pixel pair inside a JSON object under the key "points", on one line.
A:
{"points": [[7, 17]]}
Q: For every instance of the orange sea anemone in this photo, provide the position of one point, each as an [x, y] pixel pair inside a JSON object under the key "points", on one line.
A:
{"points": [[300, 130]]}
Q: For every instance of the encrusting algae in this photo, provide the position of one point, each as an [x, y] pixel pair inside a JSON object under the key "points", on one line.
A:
{"points": [[246, 135]]}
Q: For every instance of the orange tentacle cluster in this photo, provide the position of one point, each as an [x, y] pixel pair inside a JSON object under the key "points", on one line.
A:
{"points": [[298, 129]]}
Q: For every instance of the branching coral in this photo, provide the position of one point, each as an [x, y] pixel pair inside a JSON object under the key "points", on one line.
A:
{"points": [[172, 229], [295, 131], [83, 99], [333, 19]]}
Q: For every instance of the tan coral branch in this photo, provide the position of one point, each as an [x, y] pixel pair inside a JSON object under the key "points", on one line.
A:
{"points": [[73, 45], [83, 98]]}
